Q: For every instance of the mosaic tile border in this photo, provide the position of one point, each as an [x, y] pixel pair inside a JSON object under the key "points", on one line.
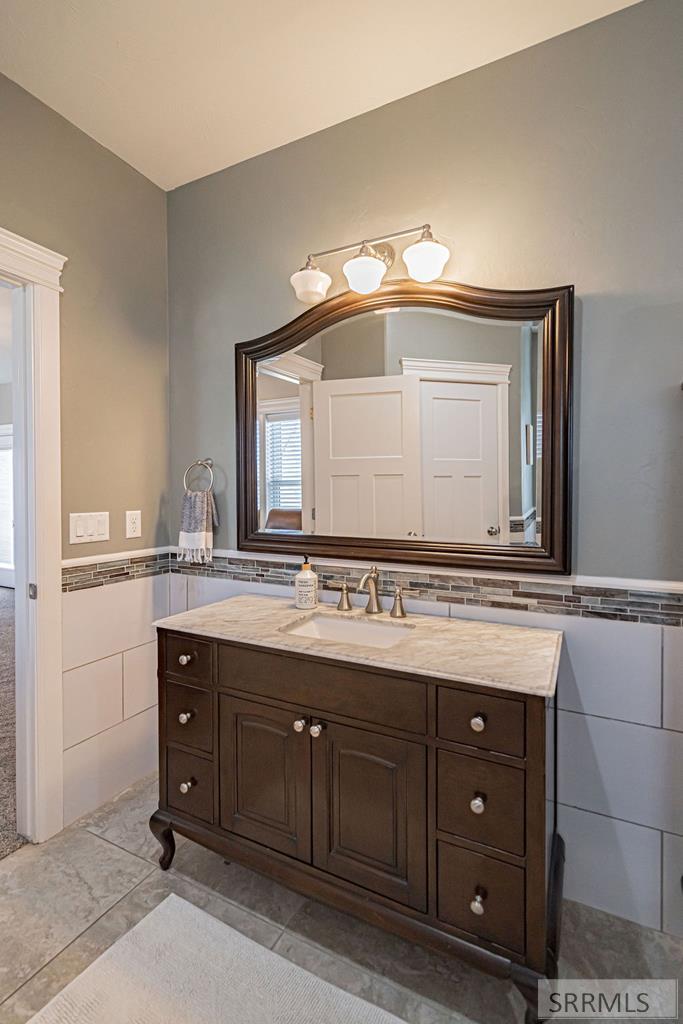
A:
{"points": [[97, 574], [549, 597]]}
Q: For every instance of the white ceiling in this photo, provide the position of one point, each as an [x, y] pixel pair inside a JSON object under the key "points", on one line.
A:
{"points": [[181, 89]]}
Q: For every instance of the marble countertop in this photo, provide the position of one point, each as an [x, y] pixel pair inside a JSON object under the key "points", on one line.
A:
{"points": [[484, 653]]}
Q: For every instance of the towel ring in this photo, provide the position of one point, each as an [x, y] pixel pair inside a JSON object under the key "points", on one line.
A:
{"points": [[206, 463]]}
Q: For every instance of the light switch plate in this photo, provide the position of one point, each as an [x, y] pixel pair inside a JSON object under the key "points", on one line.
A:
{"points": [[134, 524], [88, 527]]}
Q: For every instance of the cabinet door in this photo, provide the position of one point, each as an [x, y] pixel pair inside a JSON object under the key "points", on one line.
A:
{"points": [[369, 812], [265, 778]]}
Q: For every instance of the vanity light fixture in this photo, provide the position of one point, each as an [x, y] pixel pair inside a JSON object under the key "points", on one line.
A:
{"points": [[425, 260], [310, 283], [365, 271]]}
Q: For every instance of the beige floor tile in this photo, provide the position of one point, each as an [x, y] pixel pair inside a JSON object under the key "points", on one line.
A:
{"points": [[125, 821], [51, 893], [33, 995], [364, 984], [236, 883], [446, 981]]}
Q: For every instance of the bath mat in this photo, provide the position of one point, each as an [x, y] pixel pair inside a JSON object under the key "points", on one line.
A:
{"points": [[180, 964]]}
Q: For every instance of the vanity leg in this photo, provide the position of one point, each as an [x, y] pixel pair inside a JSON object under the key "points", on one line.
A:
{"points": [[163, 833], [526, 982]]}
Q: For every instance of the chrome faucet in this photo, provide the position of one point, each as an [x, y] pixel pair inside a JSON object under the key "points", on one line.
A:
{"points": [[371, 578]]}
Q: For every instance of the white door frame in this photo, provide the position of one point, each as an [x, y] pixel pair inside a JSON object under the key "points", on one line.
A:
{"points": [[38, 542], [497, 374]]}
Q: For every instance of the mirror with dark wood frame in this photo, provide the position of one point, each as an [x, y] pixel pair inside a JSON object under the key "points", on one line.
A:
{"points": [[420, 424]]}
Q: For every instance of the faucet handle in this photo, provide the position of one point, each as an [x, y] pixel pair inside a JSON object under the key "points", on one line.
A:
{"points": [[397, 609], [374, 571], [344, 600]]}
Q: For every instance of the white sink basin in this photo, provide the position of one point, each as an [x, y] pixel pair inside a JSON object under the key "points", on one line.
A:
{"points": [[364, 632]]}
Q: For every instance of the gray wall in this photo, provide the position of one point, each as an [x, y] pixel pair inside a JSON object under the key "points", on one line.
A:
{"points": [[562, 163], [354, 349], [61, 189]]}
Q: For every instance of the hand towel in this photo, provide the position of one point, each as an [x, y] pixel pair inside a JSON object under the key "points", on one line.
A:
{"points": [[197, 520]]}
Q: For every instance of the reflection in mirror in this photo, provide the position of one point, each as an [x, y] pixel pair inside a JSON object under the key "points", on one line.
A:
{"points": [[411, 422]]}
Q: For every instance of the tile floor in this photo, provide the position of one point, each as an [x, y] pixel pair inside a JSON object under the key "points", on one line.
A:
{"points": [[64, 903]]}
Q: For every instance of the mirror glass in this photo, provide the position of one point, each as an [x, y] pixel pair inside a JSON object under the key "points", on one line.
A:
{"points": [[410, 422]]}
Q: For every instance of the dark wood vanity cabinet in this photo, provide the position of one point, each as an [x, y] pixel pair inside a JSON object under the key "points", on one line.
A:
{"points": [[369, 811], [419, 804], [264, 776]]}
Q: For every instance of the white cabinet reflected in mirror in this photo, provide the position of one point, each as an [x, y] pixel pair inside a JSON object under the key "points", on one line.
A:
{"points": [[414, 423]]}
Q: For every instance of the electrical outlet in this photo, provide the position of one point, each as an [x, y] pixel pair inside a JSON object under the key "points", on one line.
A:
{"points": [[134, 524]]}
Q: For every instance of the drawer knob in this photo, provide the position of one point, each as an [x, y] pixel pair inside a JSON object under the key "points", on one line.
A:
{"points": [[316, 730], [477, 905], [478, 804], [185, 716], [184, 659], [300, 725], [478, 723], [185, 787]]}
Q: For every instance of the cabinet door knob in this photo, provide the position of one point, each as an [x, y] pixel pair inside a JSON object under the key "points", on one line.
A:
{"points": [[478, 723], [316, 730], [300, 725], [478, 804], [477, 905], [184, 659], [185, 787], [185, 716]]}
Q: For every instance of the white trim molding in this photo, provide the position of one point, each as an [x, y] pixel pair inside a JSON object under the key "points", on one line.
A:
{"points": [[37, 474], [24, 262], [291, 367], [451, 369], [116, 556], [275, 406]]}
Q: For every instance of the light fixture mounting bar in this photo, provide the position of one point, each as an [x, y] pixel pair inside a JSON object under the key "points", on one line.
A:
{"points": [[369, 241]]}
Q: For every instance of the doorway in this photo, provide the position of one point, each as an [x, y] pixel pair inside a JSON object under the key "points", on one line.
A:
{"points": [[30, 547], [9, 838]]}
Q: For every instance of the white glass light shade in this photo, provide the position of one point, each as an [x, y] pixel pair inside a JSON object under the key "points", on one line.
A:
{"points": [[425, 259], [310, 284], [364, 273]]}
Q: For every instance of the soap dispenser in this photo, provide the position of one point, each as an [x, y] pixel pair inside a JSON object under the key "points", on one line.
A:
{"points": [[306, 586]]}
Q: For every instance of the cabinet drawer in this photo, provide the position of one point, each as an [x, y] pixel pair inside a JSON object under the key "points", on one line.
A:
{"points": [[188, 770], [469, 882], [491, 723], [197, 668], [481, 801], [332, 689], [188, 716]]}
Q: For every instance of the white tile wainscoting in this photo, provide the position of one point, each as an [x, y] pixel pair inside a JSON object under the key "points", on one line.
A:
{"points": [[620, 700], [109, 689]]}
